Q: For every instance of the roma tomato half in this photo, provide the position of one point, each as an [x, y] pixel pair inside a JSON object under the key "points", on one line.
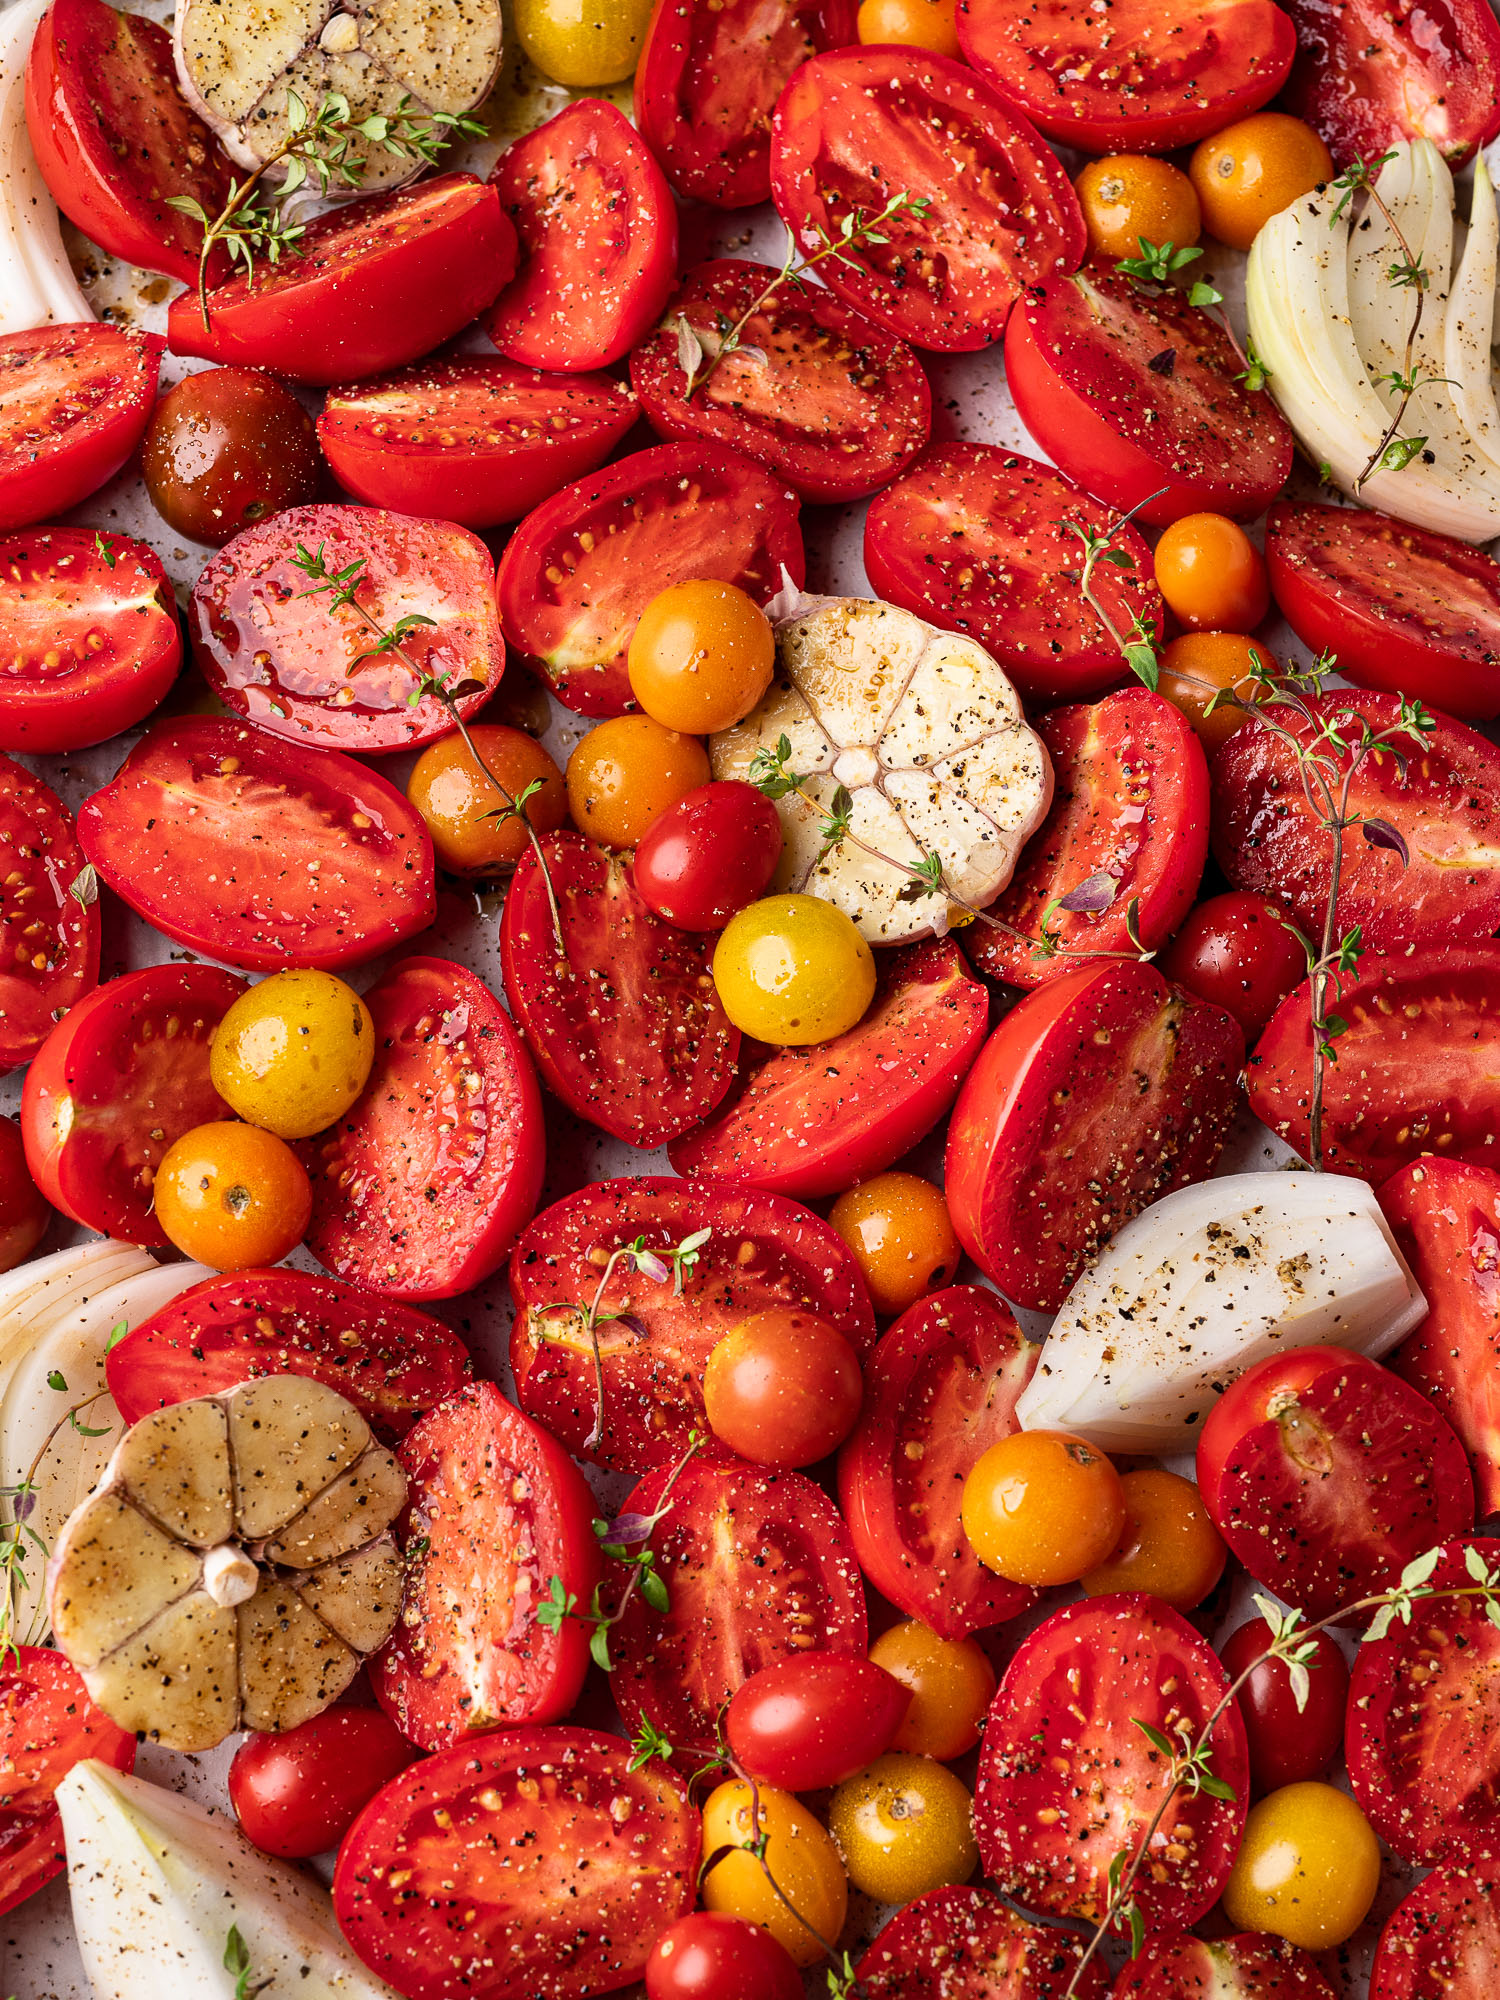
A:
{"points": [[971, 1932], [24, 1214], [1370, 75], [47, 1725], [74, 403], [49, 915], [1176, 1966], [1444, 1938]]}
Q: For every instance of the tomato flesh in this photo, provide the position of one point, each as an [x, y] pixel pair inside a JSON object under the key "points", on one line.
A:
{"points": [[47, 1725], [1248, 1967], [1372, 73], [74, 403], [49, 937], [1444, 1938], [297, 1794], [965, 1944]]}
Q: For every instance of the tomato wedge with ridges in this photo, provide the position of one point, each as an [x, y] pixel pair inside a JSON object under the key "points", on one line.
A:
{"points": [[260, 852], [421, 1189], [1372, 73], [47, 1725], [49, 937], [495, 1509], [763, 1252], [534, 1862], [1176, 1966], [391, 1362], [856, 128], [74, 403], [965, 1944], [940, 1389], [581, 568], [1444, 1939]]}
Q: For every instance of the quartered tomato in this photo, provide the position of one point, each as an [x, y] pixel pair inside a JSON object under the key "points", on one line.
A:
{"points": [[299, 665], [965, 1944], [813, 1121], [392, 1363], [376, 282], [859, 127], [598, 232], [1133, 391], [1068, 1777], [762, 1253], [625, 1025], [940, 1389], [1127, 834], [1175, 1966], [1290, 1742], [419, 1191], [121, 1077], [296, 1794], [530, 1861], [708, 80], [1326, 1475], [974, 538], [1238, 951], [1136, 78], [1415, 1073], [1401, 608], [47, 1725], [1436, 881], [758, 1568], [1443, 1939], [49, 915], [471, 438], [74, 401], [260, 852], [1048, 1155], [581, 568], [821, 396], [1370, 73], [495, 1510]]}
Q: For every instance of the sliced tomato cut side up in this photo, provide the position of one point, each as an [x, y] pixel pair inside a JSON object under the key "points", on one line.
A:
{"points": [[1416, 1068], [495, 1510], [974, 538], [1443, 1938], [965, 1944], [74, 403], [940, 1389], [47, 1725], [1065, 1755], [626, 1026], [420, 1191], [1048, 1156], [49, 915], [1175, 1966], [762, 1252], [299, 665], [1126, 835], [260, 852], [1135, 394], [392, 1363], [529, 1861], [581, 568], [758, 1568], [818, 394], [1370, 73], [598, 233], [859, 127]]}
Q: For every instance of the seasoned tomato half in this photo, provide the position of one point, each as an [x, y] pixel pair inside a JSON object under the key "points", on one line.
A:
{"points": [[49, 915], [1176, 1966], [74, 403], [1370, 73], [965, 1944], [1443, 1939], [47, 1725]]}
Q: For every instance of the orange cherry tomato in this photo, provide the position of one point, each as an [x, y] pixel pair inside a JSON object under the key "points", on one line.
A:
{"points": [[782, 1388], [1043, 1507], [902, 1237], [952, 1685], [914, 24], [1212, 575], [701, 657], [232, 1196], [459, 803], [1196, 666], [626, 772], [1128, 196], [1170, 1546], [1252, 170]]}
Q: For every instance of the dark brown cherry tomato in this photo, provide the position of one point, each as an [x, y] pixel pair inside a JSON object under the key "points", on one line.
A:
{"points": [[808, 1723], [298, 1793], [714, 1956], [708, 856], [24, 1215], [226, 448], [1235, 950], [1288, 1745]]}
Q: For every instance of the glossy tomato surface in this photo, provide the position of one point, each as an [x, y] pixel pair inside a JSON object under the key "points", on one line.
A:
{"points": [[47, 1725], [1237, 952], [708, 856], [711, 1953], [808, 1723], [49, 936], [74, 400], [1444, 1938], [965, 1944], [226, 447], [1369, 75], [1289, 1744], [297, 1794], [1175, 1966]]}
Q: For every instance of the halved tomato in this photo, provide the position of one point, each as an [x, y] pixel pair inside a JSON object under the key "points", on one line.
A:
{"points": [[1135, 393], [975, 539], [88, 633], [376, 282], [1129, 819], [626, 1024], [965, 1944], [420, 1191], [1137, 77], [598, 231], [1371, 73], [811, 1122], [818, 394], [74, 402], [49, 915], [495, 1510], [300, 664], [1326, 1474], [856, 128], [762, 1252], [471, 438], [581, 568], [47, 1725], [1068, 1778], [392, 1363], [259, 852], [1443, 1939], [1415, 1069], [758, 1568], [532, 1861], [1175, 1966], [1096, 1095], [119, 1080], [940, 1389]]}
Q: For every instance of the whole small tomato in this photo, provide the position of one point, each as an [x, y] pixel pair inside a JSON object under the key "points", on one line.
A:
{"points": [[782, 1388], [298, 1793], [713, 1956], [710, 854], [24, 1215], [1211, 574], [1287, 1744], [1235, 951], [808, 1723], [225, 449]]}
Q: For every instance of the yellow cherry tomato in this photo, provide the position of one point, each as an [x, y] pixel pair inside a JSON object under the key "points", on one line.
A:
{"points": [[626, 772], [467, 816], [1307, 1869], [293, 1053], [233, 1197], [701, 657], [1130, 196], [1170, 1546], [1212, 574], [792, 970], [1252, 170], [583, 43], [1197, 665], [902, 1237], [799, 1854], [1043, 1507], [913, 24], [904, 1825], [952, 1685]]}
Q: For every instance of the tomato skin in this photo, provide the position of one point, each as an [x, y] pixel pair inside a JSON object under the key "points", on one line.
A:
{"points": [[224, 449], [1235, 952], [47, 1725], [1288, 1745], [811, 1722], [708, 855], [1253, 1966], [24, 1214], [710, 1955], [39, 918], [1044, 1508], [800, 1860], [1169, 1547], [965, 1944], [1444, 1938], [951, 1682], [782, 1389], [1211, 574], [1368, 77], [74, 401], [297, 1794]]}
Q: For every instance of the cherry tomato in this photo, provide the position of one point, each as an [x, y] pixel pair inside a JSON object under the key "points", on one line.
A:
{"points": [[232, 1196], [808, 1723], [1236, 951], [473, 830], [701, 657], [583, 43], [1043, 1507], [798, 1853], [1197, 665], [298, 1794], [952, 1684], [792, 970], [74, 401], [902, 1237], [917, 24], [293, 1053], [708, 855], [711, 1956], [625, 773], [782, 1388], [1211, 574], [1252, 170], [1307, 1870], [227, 448], [1130, 196], [903, 1827], [1288, 1744], [24, 1213], [1169, 1547]]}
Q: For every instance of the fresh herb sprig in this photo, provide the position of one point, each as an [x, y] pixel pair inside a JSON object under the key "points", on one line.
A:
{"points": [[1159, 263]]}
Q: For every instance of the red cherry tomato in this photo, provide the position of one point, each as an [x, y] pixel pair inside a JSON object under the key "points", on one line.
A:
{"points": [[812, 1722], [74, 402], [708, 855], [49, 938], [47, 1725], [713, 1956], [1369, 75], [1235, 952], [225, 448], [24, 1213], [298, 1794], [1288, 1745]]}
